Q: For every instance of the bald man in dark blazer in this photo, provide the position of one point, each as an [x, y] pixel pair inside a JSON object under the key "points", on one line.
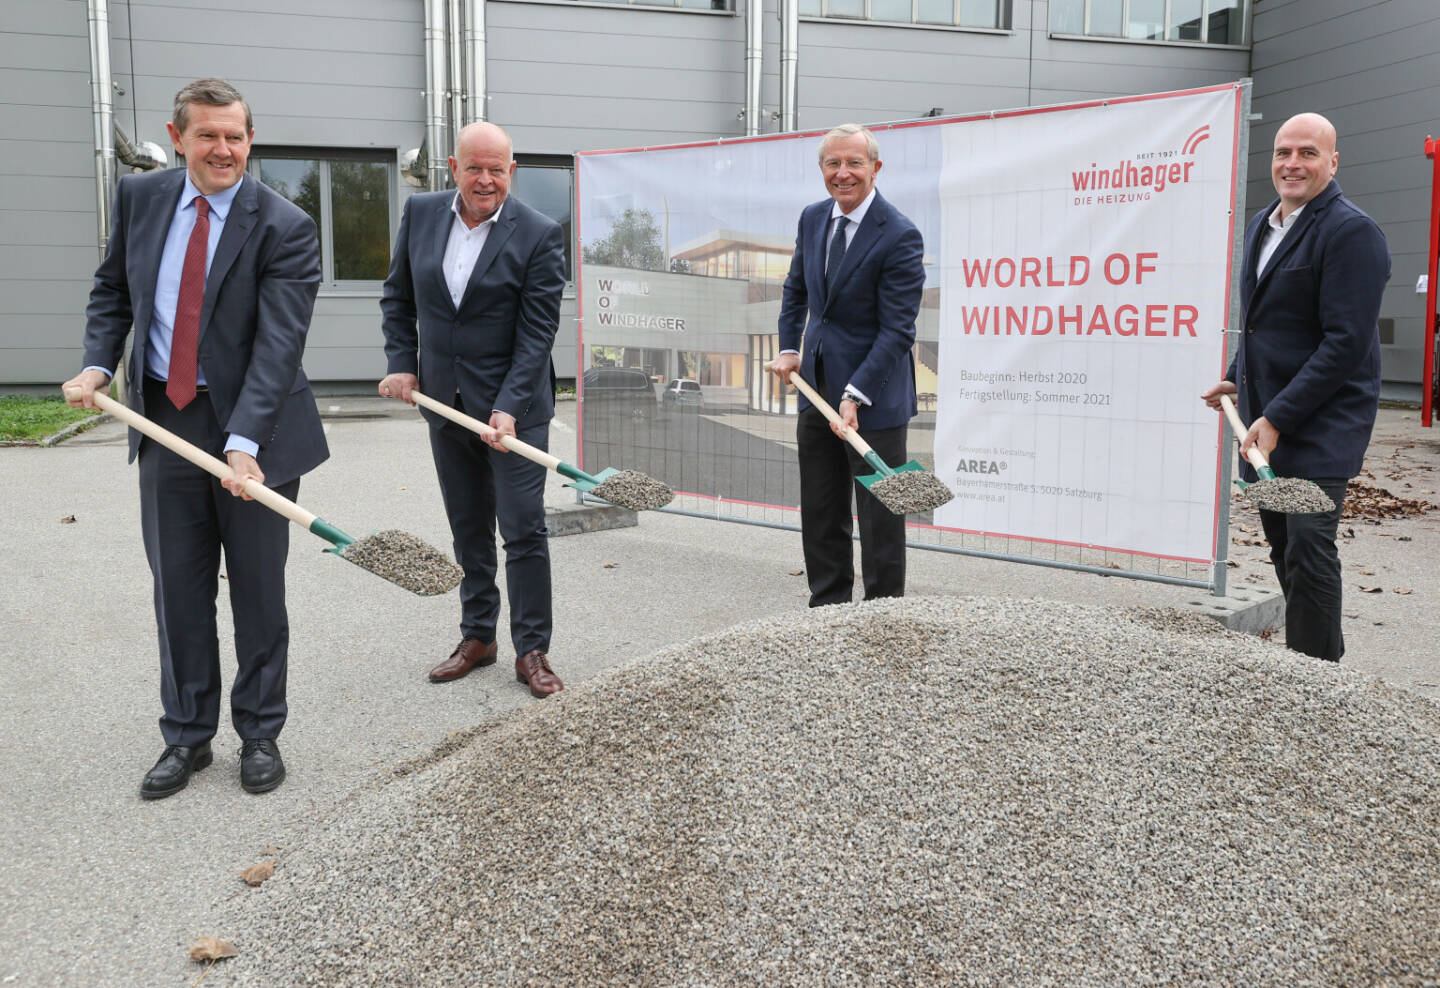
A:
{"points": [[1306, 372], [469, 313]]}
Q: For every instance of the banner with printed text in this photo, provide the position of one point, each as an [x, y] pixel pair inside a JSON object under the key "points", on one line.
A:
{"points": [[1084, 277], [1076, 293]]}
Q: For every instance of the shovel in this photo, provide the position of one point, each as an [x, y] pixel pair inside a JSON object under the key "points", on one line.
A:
{"points": [[898, 492], [1287, 495], [626, 488], [426, 571]]}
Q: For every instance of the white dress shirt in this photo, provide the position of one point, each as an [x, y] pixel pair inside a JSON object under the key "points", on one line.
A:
{"points": [[1275, 230], [463, 249]]}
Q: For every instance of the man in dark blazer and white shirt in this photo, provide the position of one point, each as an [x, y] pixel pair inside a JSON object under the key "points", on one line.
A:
{"points": [[470, 310], [1306, 372], [847, 324], [217, 274]]}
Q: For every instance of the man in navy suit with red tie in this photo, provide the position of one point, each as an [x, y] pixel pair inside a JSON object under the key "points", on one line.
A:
{"points": [[217, 274], [1306, 373], [847, 324]]}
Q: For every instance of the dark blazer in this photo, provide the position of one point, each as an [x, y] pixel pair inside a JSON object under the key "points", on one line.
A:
{"points": [[1309, 352], [494, 350], [866, 329], [259, 296]]}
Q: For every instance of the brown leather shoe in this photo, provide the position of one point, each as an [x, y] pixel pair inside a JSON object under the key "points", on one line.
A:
{"points": [[468, 654], [533, 669]]}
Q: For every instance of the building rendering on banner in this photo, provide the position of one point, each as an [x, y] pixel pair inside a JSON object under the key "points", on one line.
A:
{"points": [[357, 104]]}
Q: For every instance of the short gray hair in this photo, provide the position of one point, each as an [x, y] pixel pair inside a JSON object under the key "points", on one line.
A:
{"points": [[211, 92], [850, 130]]}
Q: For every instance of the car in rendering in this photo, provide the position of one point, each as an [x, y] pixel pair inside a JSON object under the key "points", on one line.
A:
{"points": [[682, 394], [622, 391]]}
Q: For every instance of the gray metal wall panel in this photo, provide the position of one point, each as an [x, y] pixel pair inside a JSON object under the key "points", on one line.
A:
{"points": [[1373, 68], [41, 296], [24, 263]]}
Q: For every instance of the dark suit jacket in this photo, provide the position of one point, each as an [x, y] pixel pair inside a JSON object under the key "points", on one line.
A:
{"points": [[865, 330], [259, 295], [494, 350], [1309, 353]]}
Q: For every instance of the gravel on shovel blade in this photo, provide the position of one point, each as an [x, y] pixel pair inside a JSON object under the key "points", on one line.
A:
{"points": [[634, 490], [917, 791], [1289, 495], [911, 490], [406, 561]]}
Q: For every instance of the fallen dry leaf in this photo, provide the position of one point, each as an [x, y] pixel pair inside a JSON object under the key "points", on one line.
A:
{"points": [[68, 520], [212, 949], [609, 565], [256, 874], [1367, 572], [1404, 590], [1372, 589]]}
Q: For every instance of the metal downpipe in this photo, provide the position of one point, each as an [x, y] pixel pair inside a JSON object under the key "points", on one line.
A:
{"points": [[103, 117], [475, 82], [456, 96], [437, 148], [789, 63], [754, 63]]}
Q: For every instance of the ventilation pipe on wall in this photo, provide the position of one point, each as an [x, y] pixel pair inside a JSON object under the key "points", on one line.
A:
{"points": [[100, 108], [789, 63], [754, 52], [474, 61], [436, 143], [455, 42], [144, 156]]}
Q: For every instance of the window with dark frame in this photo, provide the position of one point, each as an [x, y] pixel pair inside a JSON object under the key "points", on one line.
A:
{"points": [[546, 183], [349, 194], [992, 14], [1214, 22]]}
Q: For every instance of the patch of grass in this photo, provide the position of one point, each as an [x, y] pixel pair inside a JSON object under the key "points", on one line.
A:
{"points": [[31, 417]]}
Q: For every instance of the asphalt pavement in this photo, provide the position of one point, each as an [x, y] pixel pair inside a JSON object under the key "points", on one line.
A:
{"points": [[98, 887]]}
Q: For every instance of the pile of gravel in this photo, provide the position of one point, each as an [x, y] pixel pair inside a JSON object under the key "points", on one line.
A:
{"points": [[405, 560], [934, 789], [1289, 495], [634, 490], [911, 490]]}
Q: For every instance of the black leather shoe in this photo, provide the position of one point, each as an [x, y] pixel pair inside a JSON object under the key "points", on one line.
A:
{"points": [[260, 766], [172, 772]]}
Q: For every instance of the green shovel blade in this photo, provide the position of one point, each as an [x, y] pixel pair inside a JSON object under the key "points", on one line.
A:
{"points": [[585, 482]]}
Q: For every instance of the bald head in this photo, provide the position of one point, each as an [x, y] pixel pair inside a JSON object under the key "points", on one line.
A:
{"points": [[1305, 160], [483, 135], [483, 165]]}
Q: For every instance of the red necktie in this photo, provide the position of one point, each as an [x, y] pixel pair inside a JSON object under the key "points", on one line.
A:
{"points": [[185, 341]]}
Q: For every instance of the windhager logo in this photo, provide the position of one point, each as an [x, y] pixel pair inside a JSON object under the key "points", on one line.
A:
{"points": [[1137, 179]]}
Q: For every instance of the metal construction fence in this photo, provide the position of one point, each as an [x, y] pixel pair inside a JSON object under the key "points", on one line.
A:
{"points": [[1077, 301]]}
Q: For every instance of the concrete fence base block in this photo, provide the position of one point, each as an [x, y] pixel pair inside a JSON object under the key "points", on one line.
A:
{"points": [[577, 519], [1251, 610]]}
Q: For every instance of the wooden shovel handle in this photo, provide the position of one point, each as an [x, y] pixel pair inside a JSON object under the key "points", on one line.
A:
{"points": [[483, 429], [850, 435], [1253, 454], [199, 457]]}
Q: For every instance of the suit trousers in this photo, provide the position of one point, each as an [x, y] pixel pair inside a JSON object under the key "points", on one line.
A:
{"points": [[828, 466], [481, 487], [186, 519], [1307, 564]]}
